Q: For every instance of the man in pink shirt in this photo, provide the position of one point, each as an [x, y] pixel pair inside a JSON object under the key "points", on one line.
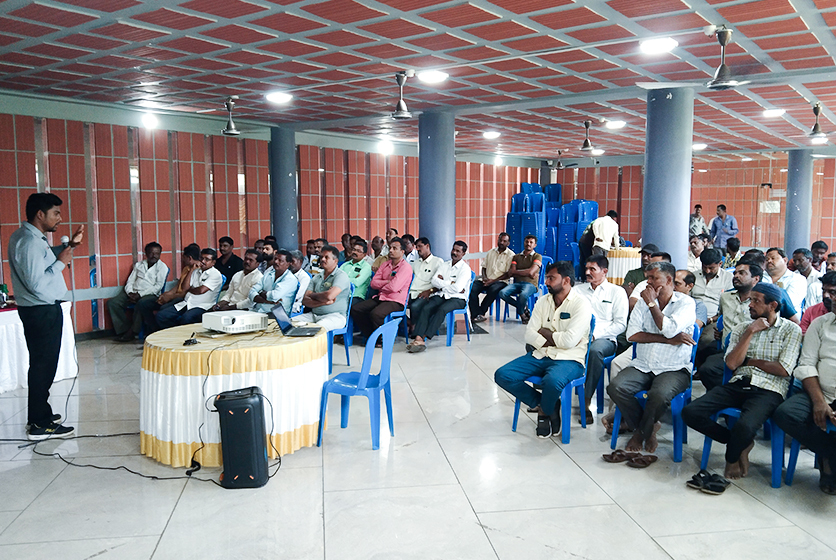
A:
{"points": [[391, 281], [819, 309]]}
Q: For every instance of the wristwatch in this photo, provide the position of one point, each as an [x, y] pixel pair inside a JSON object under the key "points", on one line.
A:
{"points": [[651, 305]]}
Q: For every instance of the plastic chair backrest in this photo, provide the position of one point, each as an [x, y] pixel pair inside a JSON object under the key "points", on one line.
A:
{"points": [[536, 202], [388, 331], [223, 281], [519, 202], [541, 281]]}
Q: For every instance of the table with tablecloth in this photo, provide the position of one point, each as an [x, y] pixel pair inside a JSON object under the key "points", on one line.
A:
{"points": [[14, 357], [178, 383], [622, 261]]}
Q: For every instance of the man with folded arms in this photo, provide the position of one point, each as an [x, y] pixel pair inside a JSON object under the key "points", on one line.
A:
{"points": [[204, 287], [805, 414], [392, 283], [238, 294], [609, 305], [559, 333], [144, 284], [661, 324], [328, 293], [762, 353], [228, 262], [278, 285], [493, 279]]}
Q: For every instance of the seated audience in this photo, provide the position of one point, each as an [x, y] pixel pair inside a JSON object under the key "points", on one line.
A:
{"points": [[310, 250], [806, 414], [267, 251], [803, 260], [259, 245], [189, 261], [696, 245], [328, 293], [357, 269], [762, 354], [392, 284], [711, 282], [635, 294], [493, 279], [204, 287], [609, 305], [816, 311], [278, 285], [348, 247], [424, 270], [449, 292], [661, 325], [684, 283], [410, 253], [228, 262], [733, 253], [831, 262], [376, 248], [238, 294], [636, 276], [145, 284], [819, 251], [792, 282], [296, 267], [525, 270], [559, 333]]}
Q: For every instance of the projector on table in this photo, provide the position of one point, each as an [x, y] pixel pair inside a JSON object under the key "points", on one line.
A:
{"points": [[235, 322]]}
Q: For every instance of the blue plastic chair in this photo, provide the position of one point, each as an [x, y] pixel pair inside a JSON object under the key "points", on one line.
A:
{"points": [[599, 391], [451, 315], [395, 314], [365, 384], [680, 434], [565, 396], [223, 281], [141, 333], [795, 447], [576, 258], [628, 243], [347, 331]]}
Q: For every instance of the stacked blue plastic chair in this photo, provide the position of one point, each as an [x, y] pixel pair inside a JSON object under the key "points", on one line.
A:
{"points": [[554, 195]]}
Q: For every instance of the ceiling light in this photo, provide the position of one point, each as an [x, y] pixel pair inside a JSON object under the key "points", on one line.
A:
{"points": [[385, 147], [497, 160], [772, 113], [819, 173], [491, 134], [278, 97], [597, 151], [819, 140], [703, 170], [149, 121], [615, 125], [821, 156], [783, 171], [699, 146], [433, 76], [658, 46], [746, 159]]}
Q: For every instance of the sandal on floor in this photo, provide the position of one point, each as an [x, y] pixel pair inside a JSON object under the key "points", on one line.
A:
{"points": [[620, 456], [827, 484], [715, 485], [642, 461], [699, 480]]}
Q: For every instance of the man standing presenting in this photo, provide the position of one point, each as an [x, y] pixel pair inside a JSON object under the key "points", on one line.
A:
{"points": [[229, 264], [762, 353], [609, 305], [38, 285], [525, 269], [494, 273], [605, 231], [238, 294], [559, 332], [722, 228], [392, 284], [145, 283]]}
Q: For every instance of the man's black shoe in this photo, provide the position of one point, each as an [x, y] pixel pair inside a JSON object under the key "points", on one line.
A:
{"points": [[55, 419], [555, 420], [49, 431], [544, 428]]}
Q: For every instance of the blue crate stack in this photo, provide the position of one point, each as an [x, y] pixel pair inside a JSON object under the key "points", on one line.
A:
{"points": [[533, 211]]}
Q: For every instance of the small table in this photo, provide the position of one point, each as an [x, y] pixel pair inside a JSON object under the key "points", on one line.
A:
{"points": [[622, 261], [14, 357], [176, 393]]}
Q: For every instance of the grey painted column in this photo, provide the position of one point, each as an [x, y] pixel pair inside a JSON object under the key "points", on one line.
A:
{"points": [[799, 200], [666, 200], [437, 180], [284, 189]]}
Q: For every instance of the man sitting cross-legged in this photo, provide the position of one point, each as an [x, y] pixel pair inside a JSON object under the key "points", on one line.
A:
{"points": [[661, 325], [762, 354], [559, 332]]}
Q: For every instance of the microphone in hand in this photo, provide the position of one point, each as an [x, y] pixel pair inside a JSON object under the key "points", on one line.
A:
{"points": [[65, 241]]}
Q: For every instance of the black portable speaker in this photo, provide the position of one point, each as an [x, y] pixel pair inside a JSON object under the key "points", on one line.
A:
{"points": [[243, 438]]}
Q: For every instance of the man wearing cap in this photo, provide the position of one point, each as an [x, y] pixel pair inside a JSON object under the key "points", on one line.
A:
{"points": [[762, 354], [636, 276]]}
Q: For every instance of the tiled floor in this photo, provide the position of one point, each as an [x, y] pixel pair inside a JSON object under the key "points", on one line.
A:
{"points": [[454, 483]]}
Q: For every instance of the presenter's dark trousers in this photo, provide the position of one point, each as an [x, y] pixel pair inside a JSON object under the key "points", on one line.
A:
{"points": [[42, 329]]}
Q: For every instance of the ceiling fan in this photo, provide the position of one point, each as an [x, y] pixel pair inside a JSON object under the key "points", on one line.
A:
{"points": [[401, 112], [816, 131], [560, 165], [230, 129]]}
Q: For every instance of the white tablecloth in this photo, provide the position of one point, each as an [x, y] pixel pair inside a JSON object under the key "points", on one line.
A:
{"points": [[622, 261], [14, 357]]}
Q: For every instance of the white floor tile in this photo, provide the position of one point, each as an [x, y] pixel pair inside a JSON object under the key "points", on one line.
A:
{"points": [[786, 543], [22, 482], [136, 548]]}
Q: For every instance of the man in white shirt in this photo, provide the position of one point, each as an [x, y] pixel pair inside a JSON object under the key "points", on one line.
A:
{"points": [[696, 224], [806, 414], [609, 305], [449, 292], [696, 245], [410, 254], [559, 333], [803, 260], [661, 325], [605, 232], [794, 284], [145, 283], [296, 267], [709, 284], [278, 285], [494, 275], [424, 270], [204, 287], [238, 294]]}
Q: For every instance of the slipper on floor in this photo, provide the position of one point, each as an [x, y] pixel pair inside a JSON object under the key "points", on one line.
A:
{"points": [[642, 461], [715, 485], [699, 480], [620, 456], [417, 348]]}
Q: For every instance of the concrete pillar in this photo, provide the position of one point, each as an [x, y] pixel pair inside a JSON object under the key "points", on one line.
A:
{"points": [[284, 188], [799, 200], [666, 200], [437, 180]]}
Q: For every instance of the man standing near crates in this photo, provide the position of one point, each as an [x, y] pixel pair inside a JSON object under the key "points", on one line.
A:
{"points": [[605, 232]]}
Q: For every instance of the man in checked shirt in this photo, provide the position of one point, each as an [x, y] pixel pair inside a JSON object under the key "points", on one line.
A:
{"points": [[762, 354]]}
